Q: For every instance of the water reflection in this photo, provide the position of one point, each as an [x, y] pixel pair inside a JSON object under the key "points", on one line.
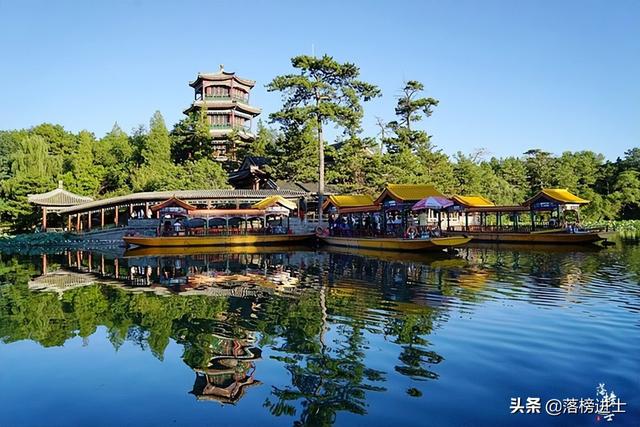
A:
{"points": [[342, 328], [230, 369]]}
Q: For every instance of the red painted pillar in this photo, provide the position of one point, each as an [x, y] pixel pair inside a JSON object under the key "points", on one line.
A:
{"points": [[44, 218]]}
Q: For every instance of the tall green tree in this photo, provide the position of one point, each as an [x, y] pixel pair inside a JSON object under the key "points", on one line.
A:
{"points": [[115, 153], [33, 170], [323, 91], [58, 140], [84, 175], [202, 173], [358, 166], [541, 167], [410, 155], [191, 138], [263, 145], [157, 171]]}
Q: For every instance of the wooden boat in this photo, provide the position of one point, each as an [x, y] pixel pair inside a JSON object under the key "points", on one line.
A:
{"points": [[230, 240], [396, 244], [144, 251], [557, 236]]}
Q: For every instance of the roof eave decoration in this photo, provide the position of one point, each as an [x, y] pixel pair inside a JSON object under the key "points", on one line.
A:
{"points": [[221, 74], [173, 201]]}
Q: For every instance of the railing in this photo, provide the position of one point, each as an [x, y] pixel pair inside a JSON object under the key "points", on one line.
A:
{"points": [[508, 228], [392, 231], [226, 98], [229, 126], [223, 231]]}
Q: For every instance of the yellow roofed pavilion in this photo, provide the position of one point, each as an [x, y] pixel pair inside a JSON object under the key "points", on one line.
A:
{"points": [[472, 201], [349, 201], [558, 195], [270, 201], [402, 193]]}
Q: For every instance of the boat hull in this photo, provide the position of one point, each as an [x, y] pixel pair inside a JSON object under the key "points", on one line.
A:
{"points": [[434, 244], [233, 240], [544, 238]]}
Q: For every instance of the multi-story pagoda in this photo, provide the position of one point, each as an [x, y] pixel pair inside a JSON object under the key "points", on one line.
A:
{"points": [[229, 114]]}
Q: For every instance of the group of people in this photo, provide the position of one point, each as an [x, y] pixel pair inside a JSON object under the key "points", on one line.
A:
{"points": [[374, 224]]}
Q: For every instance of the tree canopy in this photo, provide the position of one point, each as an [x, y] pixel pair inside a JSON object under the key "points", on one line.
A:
{"points": [[320, 92]]}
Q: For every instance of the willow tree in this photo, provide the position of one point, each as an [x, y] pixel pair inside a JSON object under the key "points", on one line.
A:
{"points": [[323, 91]]}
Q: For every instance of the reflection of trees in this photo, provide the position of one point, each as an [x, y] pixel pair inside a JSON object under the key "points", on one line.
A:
{"points": [[327, 382], [409, 331], [146, 319]]}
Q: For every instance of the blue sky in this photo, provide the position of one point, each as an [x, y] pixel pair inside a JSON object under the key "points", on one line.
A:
{"points": [[510, 75]]}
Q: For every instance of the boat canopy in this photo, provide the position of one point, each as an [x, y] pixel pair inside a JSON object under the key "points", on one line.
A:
{"points": [[347, 203], [432, 202], [402, 193], [472, 201], [239, 213], [500, 209], [561, 196], [272, 201]]}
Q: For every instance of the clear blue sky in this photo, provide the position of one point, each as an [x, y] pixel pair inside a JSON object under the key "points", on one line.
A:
{"points": [[510, 75]]}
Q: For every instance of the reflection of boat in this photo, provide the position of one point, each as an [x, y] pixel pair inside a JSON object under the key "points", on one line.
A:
{"points": [[546, 236], [395, 244], [211, 250], [231, 240], [539, 247], [439, 259]]}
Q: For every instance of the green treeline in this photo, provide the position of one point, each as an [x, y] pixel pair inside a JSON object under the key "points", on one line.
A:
{"points": [[319, 92]]}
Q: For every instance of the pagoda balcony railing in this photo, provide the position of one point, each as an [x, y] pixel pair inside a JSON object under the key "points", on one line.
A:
{"points": [[229, 126], [226, 98]]}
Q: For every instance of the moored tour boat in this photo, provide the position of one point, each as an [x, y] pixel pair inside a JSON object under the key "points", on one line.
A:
{"points": [[547, 236], [397, 244], [554, 219], [219, 240], [558, 236], [184, 225]]}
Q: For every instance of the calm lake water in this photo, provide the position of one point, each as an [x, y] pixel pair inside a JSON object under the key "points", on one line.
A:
{"points": [[308, 337]]}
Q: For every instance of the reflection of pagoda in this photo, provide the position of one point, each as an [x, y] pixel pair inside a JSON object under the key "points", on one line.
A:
{"points": [[226, 99], [229, 372]]}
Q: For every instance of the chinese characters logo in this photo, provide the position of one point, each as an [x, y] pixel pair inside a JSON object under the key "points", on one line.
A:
{"points": [[605, 405]]}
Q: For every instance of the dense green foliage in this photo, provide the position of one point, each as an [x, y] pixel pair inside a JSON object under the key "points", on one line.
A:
{"points": [[407, 154], [34, 160], [320, 92]]}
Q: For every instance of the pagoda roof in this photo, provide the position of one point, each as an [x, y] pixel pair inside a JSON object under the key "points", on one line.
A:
{"points": [[559, 195], [408, 192], [222, 75], [224, 103], [58, 198]]}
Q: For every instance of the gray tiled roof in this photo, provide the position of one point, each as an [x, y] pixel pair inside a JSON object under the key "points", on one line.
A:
{"points": [[58, 197], [159, 196]]}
